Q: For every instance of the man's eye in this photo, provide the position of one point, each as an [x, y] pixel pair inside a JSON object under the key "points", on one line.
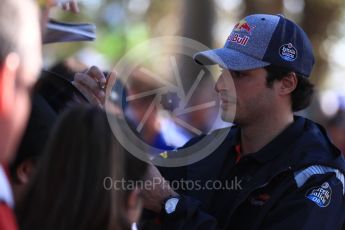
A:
{"points": [[235, 73]]}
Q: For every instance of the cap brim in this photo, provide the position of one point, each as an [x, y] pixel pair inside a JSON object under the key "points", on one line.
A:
{"points": [[228, 59]]}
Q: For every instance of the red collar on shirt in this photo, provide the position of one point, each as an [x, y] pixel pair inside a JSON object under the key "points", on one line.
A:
{"points": [[238, 152]]}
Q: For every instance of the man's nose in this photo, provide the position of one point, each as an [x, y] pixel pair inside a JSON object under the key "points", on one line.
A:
{"points": [[220, 83]]}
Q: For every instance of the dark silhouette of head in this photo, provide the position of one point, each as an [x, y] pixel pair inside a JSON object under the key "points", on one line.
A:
{"points": [[70, 189]]}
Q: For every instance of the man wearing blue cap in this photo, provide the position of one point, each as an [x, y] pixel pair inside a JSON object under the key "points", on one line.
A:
{"points": [[290, 174], [283, 170]]}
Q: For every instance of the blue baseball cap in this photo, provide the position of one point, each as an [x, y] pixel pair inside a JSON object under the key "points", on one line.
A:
{"points": [[261, 40]]}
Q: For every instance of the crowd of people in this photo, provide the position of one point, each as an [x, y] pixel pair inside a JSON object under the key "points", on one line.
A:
{"points": [[61, 164]]}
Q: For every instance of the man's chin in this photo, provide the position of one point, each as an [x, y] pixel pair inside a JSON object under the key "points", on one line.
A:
{"points": [[228, 116]]}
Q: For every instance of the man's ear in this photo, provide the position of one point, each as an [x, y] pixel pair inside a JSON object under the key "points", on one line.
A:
{"points": [[288, 83], [8, 74], [24, 171]]}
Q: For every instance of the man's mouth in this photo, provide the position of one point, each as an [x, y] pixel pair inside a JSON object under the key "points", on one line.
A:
{"points": [[226, 103], [228, 100]]}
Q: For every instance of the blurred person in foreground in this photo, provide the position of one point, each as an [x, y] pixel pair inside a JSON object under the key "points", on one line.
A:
{"points": [[78, 183], [51, 94], [283, 171], [20, 61]]}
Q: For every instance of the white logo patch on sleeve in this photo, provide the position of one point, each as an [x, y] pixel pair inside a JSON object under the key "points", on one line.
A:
{"points": [[320, 195]]}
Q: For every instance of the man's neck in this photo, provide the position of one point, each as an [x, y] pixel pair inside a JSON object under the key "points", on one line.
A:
{"points": [[255, 136]]}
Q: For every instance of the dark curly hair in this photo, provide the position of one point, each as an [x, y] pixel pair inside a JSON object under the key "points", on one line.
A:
{"points": [[301, 97]]}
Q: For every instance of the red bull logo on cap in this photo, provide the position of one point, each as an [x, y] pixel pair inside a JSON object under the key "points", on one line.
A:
{"points": [[234, 37], [237, 36], [243, 26]]}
